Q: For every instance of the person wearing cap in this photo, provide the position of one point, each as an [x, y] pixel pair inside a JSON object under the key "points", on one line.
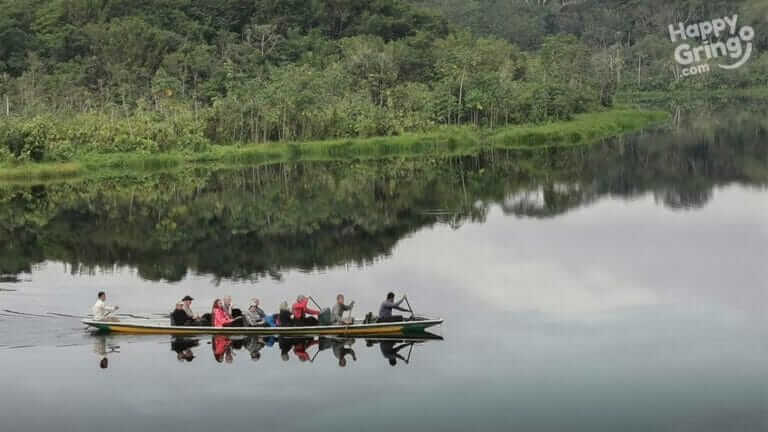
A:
{"points": [[255, 316], [187, 300], [179, 317]]}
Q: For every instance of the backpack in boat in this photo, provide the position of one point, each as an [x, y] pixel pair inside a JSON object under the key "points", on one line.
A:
{"points": [[205, 320], [369, 318], [324, 318]]}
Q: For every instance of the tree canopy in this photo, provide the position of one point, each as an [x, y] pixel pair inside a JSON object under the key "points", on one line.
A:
{"points": [[228, 71]]}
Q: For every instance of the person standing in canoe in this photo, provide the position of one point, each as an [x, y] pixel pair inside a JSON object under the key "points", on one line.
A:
{"points": [[337, 312], [301, 312], [385, 311], [100, 309]]}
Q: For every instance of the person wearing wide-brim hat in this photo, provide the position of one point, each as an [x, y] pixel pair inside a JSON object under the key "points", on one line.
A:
{"points": [[187, 300]]}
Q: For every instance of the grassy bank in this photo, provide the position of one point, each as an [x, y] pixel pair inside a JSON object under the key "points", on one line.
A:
{"points": [[584, 128], [643, 98]]}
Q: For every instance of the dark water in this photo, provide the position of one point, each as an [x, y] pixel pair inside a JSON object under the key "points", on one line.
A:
{"points": [[615, 287]]}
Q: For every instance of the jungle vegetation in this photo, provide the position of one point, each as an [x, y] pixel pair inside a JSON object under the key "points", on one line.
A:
{"points": [[258, 221], [146, 76]]}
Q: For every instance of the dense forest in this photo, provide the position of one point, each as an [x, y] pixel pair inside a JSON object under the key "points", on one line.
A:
{"points": [[153, 75], [259, 221]]}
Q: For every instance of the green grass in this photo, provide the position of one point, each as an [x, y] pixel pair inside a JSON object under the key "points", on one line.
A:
{"points": [[685, 95], [445, 141], [584, 128]]}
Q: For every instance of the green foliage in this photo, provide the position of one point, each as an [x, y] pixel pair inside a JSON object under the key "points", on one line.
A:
{"points": [[146, 152], [627, 40], [149, 76], [312, 215], [51, 138], [84, 77]]}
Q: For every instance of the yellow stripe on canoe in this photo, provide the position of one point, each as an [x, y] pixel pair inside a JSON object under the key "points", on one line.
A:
{"points": [[395, 329]]}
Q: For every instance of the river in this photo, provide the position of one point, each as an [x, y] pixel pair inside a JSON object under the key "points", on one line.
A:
{"points": [[618, 286]]}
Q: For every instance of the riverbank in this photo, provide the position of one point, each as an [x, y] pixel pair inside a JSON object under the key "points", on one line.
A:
{"points": [[658, 98], [582, 129]]}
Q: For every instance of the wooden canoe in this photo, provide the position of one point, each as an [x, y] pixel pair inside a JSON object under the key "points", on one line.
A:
{"points": [[139, 326]]}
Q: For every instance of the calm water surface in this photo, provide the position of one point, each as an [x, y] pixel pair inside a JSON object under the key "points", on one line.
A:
{"points": [[616, 287]]}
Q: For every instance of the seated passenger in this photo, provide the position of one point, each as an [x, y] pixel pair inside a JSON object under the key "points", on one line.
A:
{"points": [[179, 317], [301, 312], [101, 312], [226, 305], [233, 312], [385, 311], [284, 317], [221, 318], [187, 301], [337, 312], [256, 317]]}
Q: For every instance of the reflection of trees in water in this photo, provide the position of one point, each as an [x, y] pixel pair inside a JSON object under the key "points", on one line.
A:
{"points": [[683, 199], [255, 222], [547, 200]]}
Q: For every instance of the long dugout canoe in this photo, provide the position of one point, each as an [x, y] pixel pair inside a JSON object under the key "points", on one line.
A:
{"points": [[415, 326]]}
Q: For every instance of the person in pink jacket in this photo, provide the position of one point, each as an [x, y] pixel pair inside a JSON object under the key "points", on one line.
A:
{"points": [[220, 317]]}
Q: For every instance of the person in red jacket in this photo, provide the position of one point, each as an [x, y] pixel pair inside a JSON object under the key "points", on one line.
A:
{"points": [[220, 317], [301, 312]]}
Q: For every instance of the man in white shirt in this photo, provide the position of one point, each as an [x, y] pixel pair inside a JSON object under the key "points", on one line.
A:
{"points": [[101, 311]]}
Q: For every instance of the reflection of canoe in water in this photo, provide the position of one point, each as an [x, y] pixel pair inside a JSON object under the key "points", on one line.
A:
{"points": [[414, 326]]}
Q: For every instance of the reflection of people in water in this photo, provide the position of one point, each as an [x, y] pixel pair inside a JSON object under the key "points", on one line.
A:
{"points": [[254, 344], [340, 350], [300, 348], [299, 345], [102, 350], [285, 347], [183, 348], [389, 351], [222, 348]]}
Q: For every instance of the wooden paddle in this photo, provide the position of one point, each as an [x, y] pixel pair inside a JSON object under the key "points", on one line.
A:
{"points": [[313, 301], [350, 313], [410, 309]]}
